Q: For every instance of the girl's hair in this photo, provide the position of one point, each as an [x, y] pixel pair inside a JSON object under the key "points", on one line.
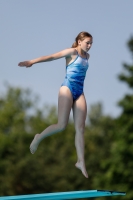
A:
{"points": [[81, 36]]}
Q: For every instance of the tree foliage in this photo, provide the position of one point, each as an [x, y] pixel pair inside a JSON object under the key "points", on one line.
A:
{"points": [[52, 167], [120, 173]]}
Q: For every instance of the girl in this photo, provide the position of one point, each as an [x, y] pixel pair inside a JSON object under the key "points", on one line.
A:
{"points": [[70, 94]]}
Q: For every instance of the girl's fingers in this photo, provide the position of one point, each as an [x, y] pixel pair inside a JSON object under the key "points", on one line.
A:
{"points": [[21, 64], [26, 64]]}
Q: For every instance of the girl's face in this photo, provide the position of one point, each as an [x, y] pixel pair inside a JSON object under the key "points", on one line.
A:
{"points": [[85, 44]]}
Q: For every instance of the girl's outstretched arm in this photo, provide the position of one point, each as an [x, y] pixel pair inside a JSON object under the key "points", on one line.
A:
{"points": [[55, 56]]}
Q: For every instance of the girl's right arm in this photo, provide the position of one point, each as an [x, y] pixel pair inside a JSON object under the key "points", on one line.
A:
{"points": [[55, 56]]}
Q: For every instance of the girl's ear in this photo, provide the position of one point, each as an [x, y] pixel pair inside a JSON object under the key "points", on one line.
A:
{"points": [[79, 42]]}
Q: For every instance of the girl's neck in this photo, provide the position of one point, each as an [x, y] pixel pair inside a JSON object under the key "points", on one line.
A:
{"points": [[81, 52]]}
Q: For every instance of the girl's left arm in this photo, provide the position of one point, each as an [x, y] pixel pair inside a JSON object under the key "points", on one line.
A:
{"points": [[55, 56]]}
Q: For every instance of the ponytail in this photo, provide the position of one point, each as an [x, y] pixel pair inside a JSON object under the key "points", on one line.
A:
{"points": [[74, 44]]}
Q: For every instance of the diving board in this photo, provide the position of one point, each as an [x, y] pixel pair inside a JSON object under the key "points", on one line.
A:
{"points": [[65, 195]]}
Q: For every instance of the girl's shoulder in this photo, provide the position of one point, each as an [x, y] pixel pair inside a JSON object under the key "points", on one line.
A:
{"points": [[71, 52]]}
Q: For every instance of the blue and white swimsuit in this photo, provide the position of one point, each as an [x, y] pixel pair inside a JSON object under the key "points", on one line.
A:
{"points": [[75, 75]]}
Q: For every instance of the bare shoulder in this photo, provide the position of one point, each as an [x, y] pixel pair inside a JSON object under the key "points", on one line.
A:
{"points": [[71, 57], [64, 53], [71, 51]]}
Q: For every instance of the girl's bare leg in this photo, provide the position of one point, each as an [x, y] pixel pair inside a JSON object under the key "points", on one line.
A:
{"points": [[79, 114], [65, 102]]}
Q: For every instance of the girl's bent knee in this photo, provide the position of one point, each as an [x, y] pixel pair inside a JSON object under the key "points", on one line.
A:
{"points": [[62, 127]]}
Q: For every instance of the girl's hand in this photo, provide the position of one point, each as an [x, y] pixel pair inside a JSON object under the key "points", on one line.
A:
{"points": [[25, 64]]}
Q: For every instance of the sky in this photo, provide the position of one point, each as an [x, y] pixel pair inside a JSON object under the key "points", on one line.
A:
{"points": [[33, 28]]}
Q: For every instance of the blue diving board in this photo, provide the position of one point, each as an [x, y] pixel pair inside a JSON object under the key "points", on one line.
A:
{"points": [[65, 195]]}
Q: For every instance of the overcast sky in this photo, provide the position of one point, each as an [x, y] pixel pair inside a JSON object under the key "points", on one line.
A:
{"points": [[32, 28]]}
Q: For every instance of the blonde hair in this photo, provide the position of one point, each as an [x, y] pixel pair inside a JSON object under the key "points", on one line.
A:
{"points": [[81, 36]]}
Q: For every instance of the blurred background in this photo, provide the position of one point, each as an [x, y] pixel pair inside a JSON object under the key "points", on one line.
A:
{"points": [[29, 97]]}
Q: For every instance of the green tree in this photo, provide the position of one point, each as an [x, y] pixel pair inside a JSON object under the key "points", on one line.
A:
{"points": [[51, 168], [20, 119], [120, 168]]}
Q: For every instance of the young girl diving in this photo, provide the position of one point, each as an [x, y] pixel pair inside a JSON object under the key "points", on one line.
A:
{"points": [[71, 94]]}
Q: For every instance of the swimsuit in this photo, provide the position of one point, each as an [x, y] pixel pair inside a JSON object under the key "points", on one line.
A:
{"points": [[75, 75]]}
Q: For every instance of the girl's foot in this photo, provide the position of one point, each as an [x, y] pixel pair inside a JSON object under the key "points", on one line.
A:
{"points": [[34, 144], [81, 166]]}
